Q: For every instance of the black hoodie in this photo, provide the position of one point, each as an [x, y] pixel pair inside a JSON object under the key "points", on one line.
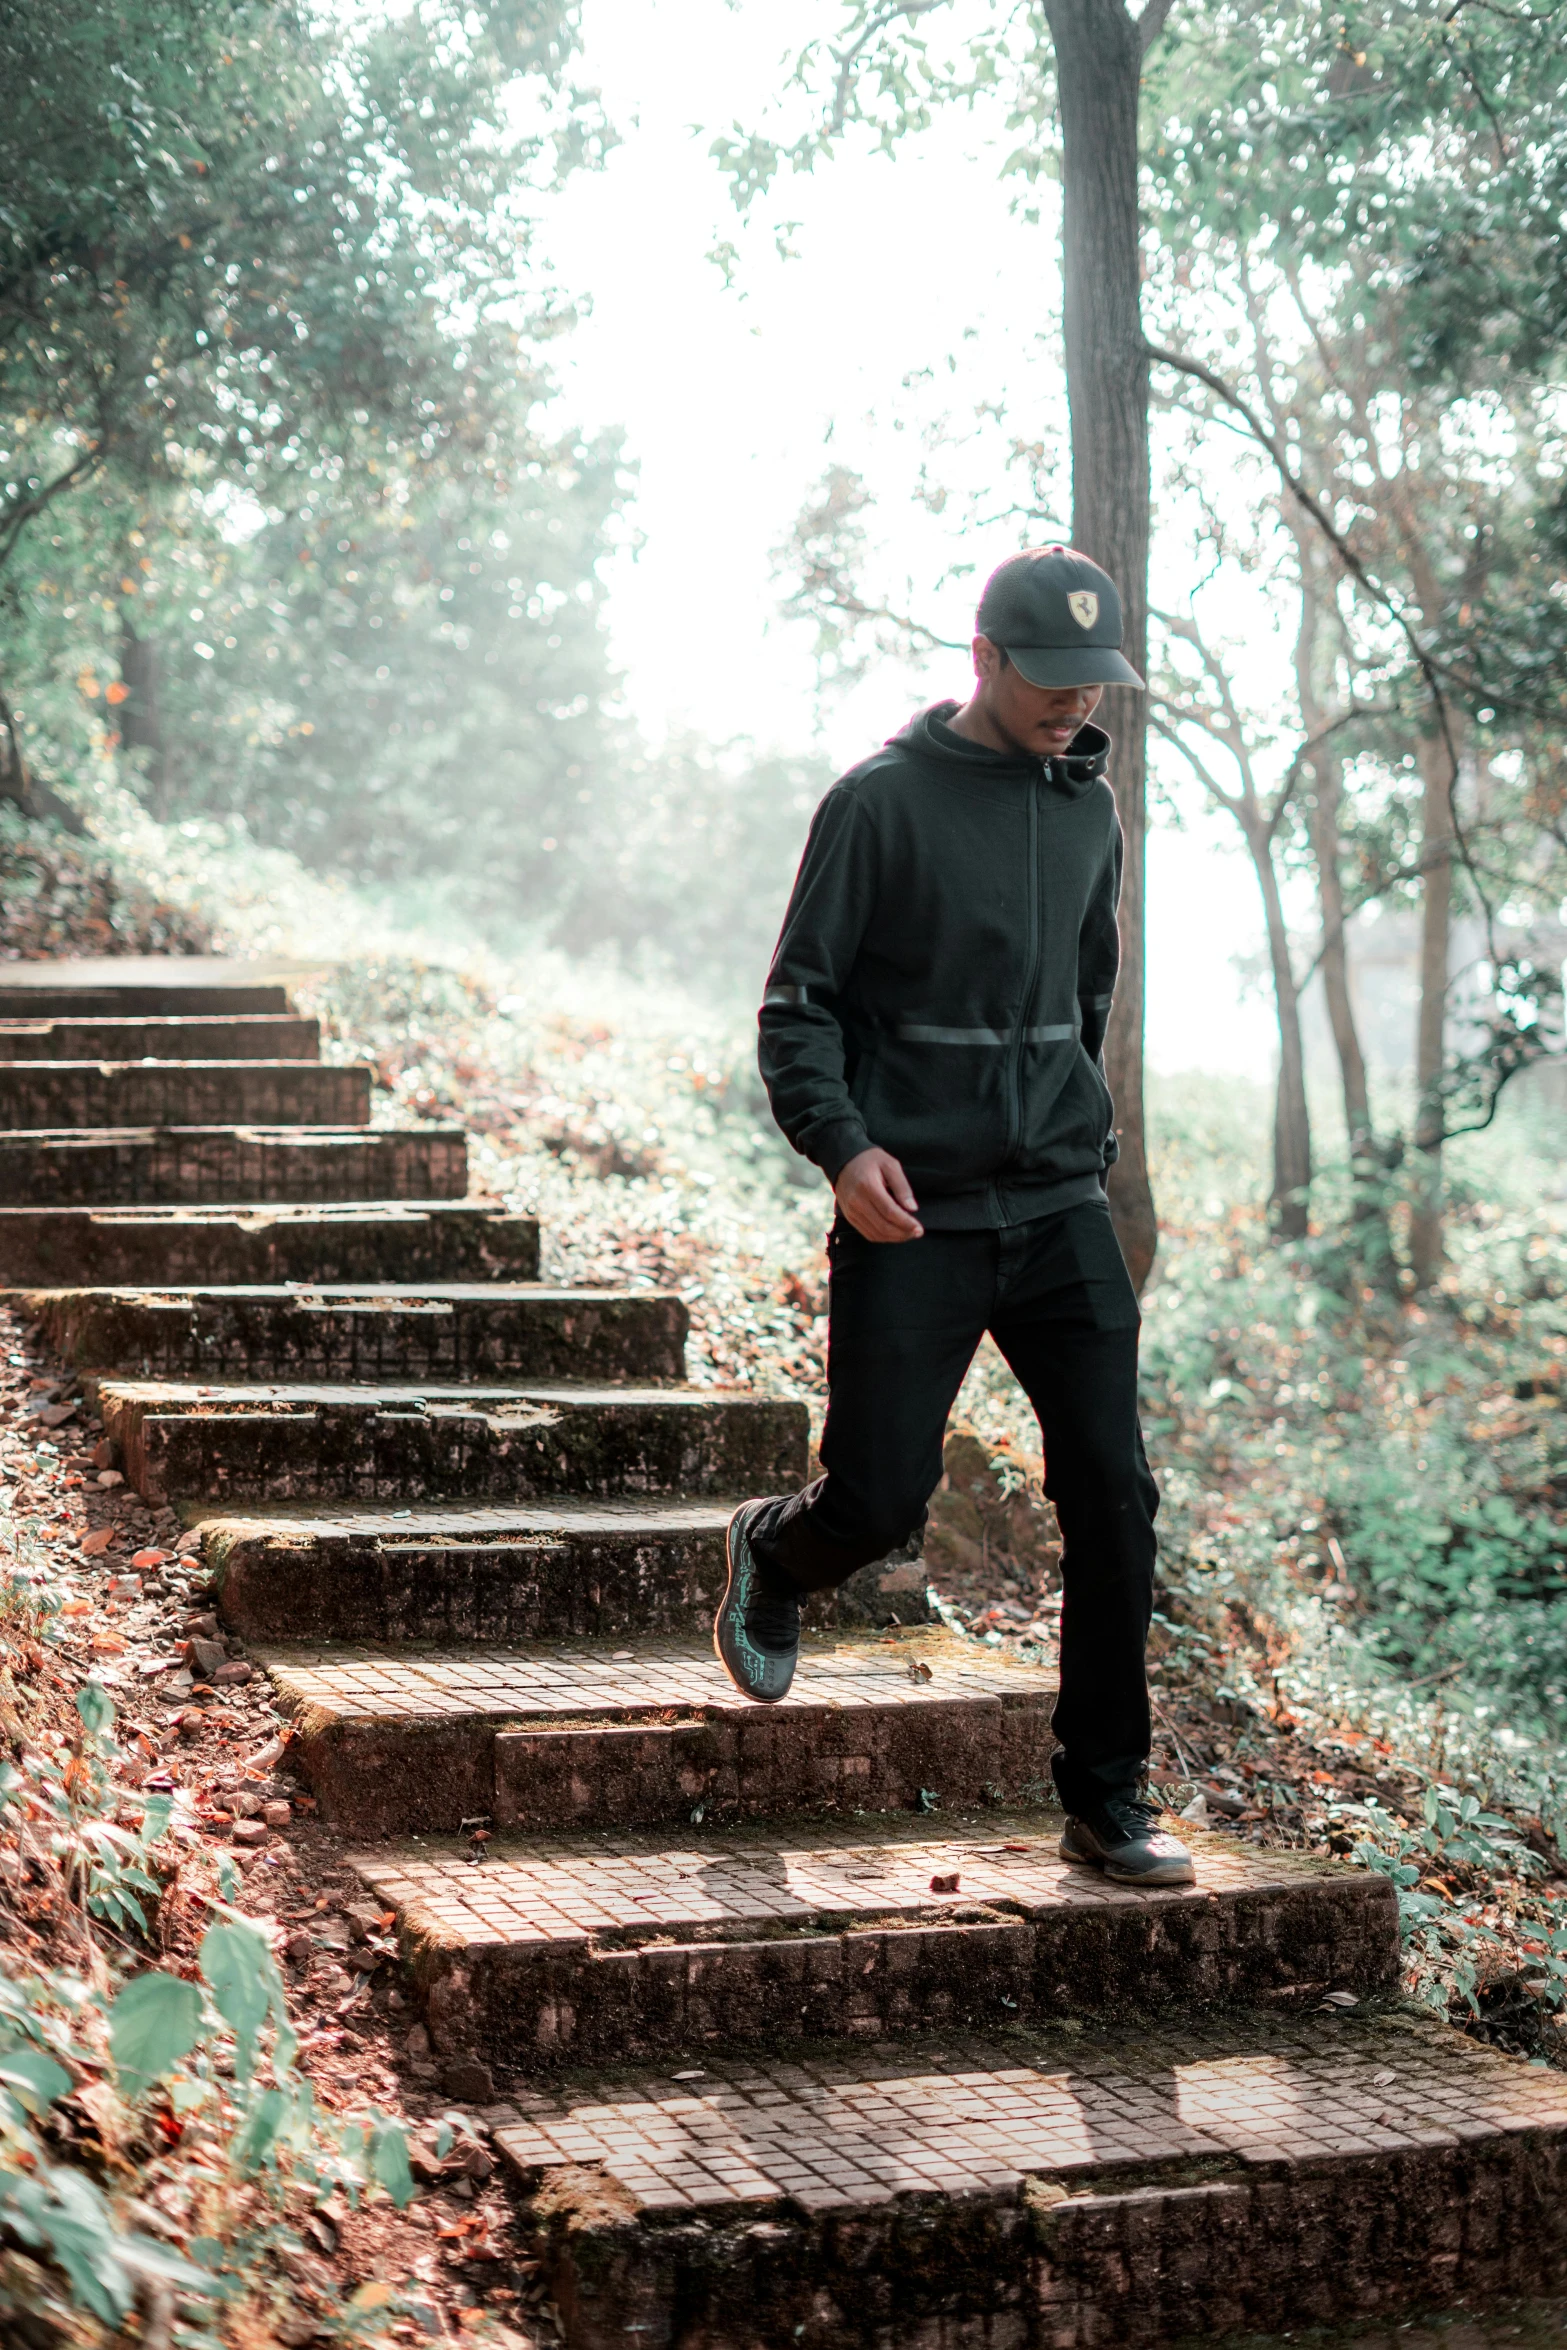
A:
{"points": [[943, 977]]}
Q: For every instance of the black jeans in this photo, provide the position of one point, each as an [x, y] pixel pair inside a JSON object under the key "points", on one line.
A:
{"points": [[905, 1320]]}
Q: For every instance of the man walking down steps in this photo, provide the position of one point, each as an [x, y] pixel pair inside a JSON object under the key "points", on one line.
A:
{"points": [[931, 1037]]}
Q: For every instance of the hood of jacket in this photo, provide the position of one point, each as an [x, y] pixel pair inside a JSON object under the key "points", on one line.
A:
{"points": [[1085, 761]]}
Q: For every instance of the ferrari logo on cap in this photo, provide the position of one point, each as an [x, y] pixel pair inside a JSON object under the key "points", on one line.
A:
{"points": [[1083, 605]]}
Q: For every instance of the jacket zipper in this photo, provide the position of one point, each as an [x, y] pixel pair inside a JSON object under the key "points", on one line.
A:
{"points": [[1031, 979]]}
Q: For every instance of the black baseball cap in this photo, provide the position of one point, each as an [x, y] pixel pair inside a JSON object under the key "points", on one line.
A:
{"points": [[1057, 617]]}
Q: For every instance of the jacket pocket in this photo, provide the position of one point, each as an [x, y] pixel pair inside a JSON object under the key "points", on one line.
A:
{"points": [[939, 1108], [1072, 1135]]}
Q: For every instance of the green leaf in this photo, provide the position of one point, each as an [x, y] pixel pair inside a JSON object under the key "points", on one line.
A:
{"points": [[96, 1708], [155, 2021], [62, 2213], [389, 2163], [33, 2078], [239, 1971], [254, 2140]]}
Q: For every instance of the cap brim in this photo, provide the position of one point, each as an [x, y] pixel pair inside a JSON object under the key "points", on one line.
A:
{"points": [[1060, 665]]}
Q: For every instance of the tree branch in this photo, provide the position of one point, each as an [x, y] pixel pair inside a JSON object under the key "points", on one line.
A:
{"points": [[1152, 22], [16, 518], [847, 58], [1352, 563]]}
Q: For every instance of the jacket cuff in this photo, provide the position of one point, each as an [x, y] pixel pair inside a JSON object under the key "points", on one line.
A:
{"points": [[832, 1147]]}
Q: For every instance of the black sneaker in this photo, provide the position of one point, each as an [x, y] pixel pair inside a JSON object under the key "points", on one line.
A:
{"points": [[1123, 1837], [756, 1632]]}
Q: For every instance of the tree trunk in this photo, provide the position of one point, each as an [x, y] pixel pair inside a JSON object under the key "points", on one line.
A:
{"points": [[20, 786], [1326, 771], [1436, 924], [13, 766], [1288, 1203], [1327, 792], [1098, 54], [141, 714]]}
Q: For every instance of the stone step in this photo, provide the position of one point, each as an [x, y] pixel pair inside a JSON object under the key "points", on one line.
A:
{"points": [[429, 1240], [132, 1000], [372, 1331], [554, 1734], [565, 1568], [618, 1947], [283, 1442], [35, 1094], [1047, 2190], [265, 1036], [209, 1166]]}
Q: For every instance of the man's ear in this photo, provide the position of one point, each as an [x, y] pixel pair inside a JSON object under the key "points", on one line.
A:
{"points": [[987, 659]]}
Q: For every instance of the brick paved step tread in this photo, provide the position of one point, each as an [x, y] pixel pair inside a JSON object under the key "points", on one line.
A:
{"points": [[49, 1094], [369, 1331], [255, 1243], [221, 1165], [553, 1734], [614, 1947], [564, 1568], [1041, 2191], [257, 1441], [269, 1036]]}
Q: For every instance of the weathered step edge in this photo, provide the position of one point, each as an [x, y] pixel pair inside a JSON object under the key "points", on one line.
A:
{"points": [[406, 1755], [261, 1242], [340, 1332], [1117, 2256], [571, 2001], [218, 1166], [469, 1576], [137, 1001], [265, 1036], [41, 1096], [505, 1444]]}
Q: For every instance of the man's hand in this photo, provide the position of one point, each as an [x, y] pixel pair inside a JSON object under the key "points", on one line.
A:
{"points": [[873, 1192]]}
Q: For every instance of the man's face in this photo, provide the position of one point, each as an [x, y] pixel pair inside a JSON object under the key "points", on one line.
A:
{"points": [[1038, 719]]}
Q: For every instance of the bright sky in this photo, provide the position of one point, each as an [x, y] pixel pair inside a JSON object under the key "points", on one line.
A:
{"points": [[914, 293]]}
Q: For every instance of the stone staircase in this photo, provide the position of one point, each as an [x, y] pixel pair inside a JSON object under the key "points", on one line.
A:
{"points": [[810, 2036]]}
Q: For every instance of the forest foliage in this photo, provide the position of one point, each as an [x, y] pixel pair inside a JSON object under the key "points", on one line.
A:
{"points": [[292, 534]]}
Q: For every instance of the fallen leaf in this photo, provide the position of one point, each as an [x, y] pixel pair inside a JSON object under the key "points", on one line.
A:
{"points": [[98, 1541]]}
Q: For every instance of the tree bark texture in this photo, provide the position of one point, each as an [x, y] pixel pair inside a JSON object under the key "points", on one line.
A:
{"points": [[1327, 793], [1288, 1202], [1325, 769], [1436, 928], [13, 766], [1098, 53], [141, 714]]}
